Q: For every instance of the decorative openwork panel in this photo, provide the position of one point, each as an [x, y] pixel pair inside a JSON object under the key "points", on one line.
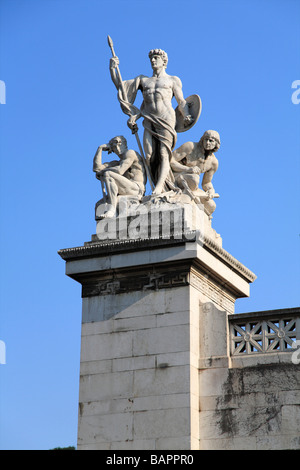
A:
{"points": [[258, 335]]}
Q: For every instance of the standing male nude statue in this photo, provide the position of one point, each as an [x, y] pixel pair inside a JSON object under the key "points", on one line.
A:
{"points": [[159, 116]]}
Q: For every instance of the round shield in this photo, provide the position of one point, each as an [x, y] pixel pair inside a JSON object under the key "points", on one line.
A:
{"points": [[195, 107]]}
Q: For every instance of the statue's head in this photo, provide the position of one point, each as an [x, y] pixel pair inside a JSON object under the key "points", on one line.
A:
{"points": [[117, 144], [210, 141], [160, 53]]}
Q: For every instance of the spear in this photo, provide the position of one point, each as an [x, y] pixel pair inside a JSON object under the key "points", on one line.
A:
{"points": [[111, 45]]}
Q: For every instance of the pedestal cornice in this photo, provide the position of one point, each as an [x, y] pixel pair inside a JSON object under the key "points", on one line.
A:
{"points": [[125, 265]]}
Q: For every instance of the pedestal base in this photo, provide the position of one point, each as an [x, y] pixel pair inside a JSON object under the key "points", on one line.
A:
{"points": [[143, 336], [160, 217]]}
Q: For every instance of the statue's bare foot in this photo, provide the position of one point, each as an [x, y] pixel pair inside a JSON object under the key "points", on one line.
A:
{"points": [[108, 215]]}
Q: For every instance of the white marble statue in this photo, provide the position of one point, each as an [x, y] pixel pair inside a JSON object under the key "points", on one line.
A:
{"points": [[123, 177], [159, 116], [192, 159]]}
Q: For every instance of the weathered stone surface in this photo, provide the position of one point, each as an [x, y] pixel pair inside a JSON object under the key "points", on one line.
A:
{"points": [[160, 358], [249, 403], [140, 346], [136, 362], [105, 428], [158, 423]]}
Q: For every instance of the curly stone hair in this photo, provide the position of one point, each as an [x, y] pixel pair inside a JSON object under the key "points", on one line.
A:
{"points": [[160, 52]]}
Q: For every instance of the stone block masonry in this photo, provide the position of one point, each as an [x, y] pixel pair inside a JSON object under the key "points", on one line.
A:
{"points": [[165, 362], [140, 347], [135, 372], [252, 401]]}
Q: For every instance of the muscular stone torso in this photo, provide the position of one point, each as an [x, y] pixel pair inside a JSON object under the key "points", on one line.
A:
{"points": [[158, 94], [135, 172]]}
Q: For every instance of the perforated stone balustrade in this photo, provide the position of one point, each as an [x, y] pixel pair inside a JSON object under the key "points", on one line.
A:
{"points": [[264, 332]]}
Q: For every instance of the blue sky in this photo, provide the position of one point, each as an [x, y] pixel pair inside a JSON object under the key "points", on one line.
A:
{"points": [[241, 57]]}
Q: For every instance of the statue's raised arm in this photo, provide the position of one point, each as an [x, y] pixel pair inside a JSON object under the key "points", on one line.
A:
{"points": [[160, 118], [122, 177]]}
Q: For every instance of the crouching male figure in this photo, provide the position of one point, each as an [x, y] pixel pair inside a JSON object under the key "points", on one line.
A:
{"points": [[123, 177], [193, 158]]}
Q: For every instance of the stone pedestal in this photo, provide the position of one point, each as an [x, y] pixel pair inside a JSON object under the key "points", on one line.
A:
{"points": [[146, 305]]}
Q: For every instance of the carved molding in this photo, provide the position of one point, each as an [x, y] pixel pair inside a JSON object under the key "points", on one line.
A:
{"points": [[175, 276], [210, 290], [123, 283], [91, 249]]}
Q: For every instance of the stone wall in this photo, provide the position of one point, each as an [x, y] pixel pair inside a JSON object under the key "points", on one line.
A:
{"points": [[135, 371], [165, 362], [257, 407], [253, 402]]}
